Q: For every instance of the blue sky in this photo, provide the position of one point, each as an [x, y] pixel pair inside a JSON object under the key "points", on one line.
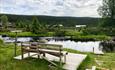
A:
{"points": [[76, 8]]}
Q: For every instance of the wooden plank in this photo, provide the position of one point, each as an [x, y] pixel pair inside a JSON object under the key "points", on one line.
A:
{"points": [[55, 45], [50, 61], [55, 53], [50, 46]]}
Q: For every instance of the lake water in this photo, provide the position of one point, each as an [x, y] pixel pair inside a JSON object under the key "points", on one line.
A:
{"points": [[80, 46]]}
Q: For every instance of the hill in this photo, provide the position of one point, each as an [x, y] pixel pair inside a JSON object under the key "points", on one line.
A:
{"points": [[66, 21]]}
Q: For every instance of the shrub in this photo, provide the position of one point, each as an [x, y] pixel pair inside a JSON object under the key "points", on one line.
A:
{"points": [[73, 33], [60, 33]]}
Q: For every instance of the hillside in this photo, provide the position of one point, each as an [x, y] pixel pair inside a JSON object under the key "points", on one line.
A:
{"points": [[66, 21]]}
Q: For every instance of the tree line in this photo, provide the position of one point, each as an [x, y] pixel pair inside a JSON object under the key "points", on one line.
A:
{"points": [[33, 25]]}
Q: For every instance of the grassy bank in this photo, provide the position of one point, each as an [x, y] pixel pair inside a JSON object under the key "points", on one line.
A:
{"points": [[78, 36], [26, 34], [91, 37]]}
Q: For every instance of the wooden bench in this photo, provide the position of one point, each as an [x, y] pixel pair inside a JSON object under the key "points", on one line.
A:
{"points": [[42, 49]]}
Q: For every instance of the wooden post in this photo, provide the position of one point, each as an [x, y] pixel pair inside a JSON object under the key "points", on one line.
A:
{"points": [[93, 49], [60, 57], [15, 48], [38, 52], [64, 58], [22, 51], [29, 47]]}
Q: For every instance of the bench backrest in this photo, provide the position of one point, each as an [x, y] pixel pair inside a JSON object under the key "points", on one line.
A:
{"points": [[56, 47], [50, 46]]}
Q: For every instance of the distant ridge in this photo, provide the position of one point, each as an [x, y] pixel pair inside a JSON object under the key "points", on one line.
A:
{"points": [[65, 20]]}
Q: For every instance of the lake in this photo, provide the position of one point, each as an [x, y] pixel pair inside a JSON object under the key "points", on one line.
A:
{"points": [[80, 46]]}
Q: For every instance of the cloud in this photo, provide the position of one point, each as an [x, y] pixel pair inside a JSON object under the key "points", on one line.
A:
{"points": [[77, 8]]}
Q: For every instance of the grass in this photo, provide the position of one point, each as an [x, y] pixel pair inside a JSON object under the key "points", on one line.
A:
{"points": [[92, 37], [88, 62], [107, 61], [26, 34], [8, 63]]}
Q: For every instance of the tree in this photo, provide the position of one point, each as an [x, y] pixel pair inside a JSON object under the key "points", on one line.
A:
{"points": [[107, 11], [4, 20], [36, 26], [19, 24]]}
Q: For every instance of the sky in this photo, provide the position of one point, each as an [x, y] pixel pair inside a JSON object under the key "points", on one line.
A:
{"points": [[75, 8]]}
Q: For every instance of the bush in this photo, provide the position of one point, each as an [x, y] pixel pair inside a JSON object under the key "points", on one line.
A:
{"points": [[60, 33], [92, 31], [99, 31], [73, 33], [108, 46]]}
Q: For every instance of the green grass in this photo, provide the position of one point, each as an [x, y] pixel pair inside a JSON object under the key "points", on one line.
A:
{"points": [[26, 34], [88, 62], [95, 37], [108, 61], [8, 63]]}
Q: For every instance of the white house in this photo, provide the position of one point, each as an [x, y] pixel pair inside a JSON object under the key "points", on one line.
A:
{"points": [[77, 26]]}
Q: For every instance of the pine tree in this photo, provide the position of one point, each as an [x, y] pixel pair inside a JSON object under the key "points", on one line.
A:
{"points": [[36, 26]]}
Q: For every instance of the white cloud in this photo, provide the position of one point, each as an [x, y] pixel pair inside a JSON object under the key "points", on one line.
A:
{"points": [[77, 8]]}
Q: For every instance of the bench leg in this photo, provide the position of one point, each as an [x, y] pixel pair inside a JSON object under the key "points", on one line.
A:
{"points": [[60, 62], [38, 54], [28, 54], [65, 59], [22, 55], [44, 54]]}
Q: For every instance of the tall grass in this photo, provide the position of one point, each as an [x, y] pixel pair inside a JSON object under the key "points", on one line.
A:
{"points": [[88, 62]]}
